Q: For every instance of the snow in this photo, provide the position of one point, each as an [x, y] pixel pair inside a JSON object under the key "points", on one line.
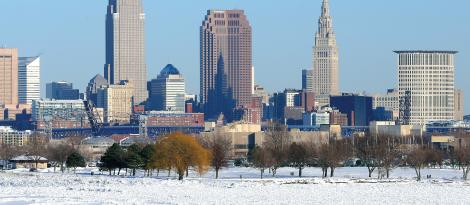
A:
{"points": [[350, 186]]}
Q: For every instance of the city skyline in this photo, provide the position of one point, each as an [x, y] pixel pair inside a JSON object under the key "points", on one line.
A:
{"points": [[350, 69]]}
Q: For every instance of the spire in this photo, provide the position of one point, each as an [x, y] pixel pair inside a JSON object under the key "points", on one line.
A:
{"points": [[325, 8]]}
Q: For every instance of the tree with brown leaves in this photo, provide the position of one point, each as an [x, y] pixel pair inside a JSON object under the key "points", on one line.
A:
{"points": [[183, 151]]}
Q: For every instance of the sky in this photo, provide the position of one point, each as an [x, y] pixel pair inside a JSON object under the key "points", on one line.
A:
{"points": [[69, 36]]}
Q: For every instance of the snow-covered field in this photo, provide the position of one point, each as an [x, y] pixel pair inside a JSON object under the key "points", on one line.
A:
{"points": [[351, 186]]}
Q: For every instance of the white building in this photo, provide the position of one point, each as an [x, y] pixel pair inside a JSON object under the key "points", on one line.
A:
{"points": [[316, 118], [390, 101], [428, 76], [325, 59], [29, 79], [168, 90]]}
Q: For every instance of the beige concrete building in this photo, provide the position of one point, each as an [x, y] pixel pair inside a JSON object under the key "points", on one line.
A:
{"points": [[117, 101], [325, 59], [389, 128], [427, 78], [390, 101], [8, 76], [458, 104], [9, 136]]}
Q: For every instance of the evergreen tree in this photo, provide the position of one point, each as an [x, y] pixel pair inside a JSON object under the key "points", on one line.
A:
{"points": [[133, 159], [147, 153], [113, 158], [75, 160]]}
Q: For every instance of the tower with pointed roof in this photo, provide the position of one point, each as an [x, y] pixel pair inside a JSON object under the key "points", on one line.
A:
{"points": [[325, 58]]}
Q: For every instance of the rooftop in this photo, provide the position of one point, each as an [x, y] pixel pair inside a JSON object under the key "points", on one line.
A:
{"points": [[425, 51]]}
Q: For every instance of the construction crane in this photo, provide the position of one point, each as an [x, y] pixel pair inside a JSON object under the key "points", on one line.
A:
{"points": [[94, 119]]}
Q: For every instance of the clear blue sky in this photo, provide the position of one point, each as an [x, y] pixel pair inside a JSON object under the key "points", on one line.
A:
{"points": [[70, 37]]}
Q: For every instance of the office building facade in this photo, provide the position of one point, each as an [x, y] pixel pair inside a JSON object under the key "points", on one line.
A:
{"points": [[358, 108], [8, 76], [225, 62], [61, 91], [125, 46], [427, 78], [325, 58], [29, 79], [168, 90]]}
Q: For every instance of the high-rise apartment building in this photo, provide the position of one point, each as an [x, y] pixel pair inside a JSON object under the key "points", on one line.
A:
{"points": [[8, 76], [325, 58], [117, 102], [427, 79], [168, 90], [125, 46], [29, 79], [225, 61]]}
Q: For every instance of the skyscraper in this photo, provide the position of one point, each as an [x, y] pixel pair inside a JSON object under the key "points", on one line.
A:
{"points": [[93, 86], [325, 58], [226, 62], [307, 80], [168, 90], [116, 100], [125, 46], [427, 79], [8, 76], [29, 79]]}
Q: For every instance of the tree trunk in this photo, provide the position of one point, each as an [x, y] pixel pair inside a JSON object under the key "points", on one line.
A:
{"points": [[300, 171], [332, 171], [180, 176], [262, 172], [119, 171], [187, 171], [388, 173], [217, 172]]}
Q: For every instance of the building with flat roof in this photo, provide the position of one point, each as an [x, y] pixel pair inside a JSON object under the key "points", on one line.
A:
{"points": [[117, 101], [427, 79], [358, 108], [9, 136], [61, 90], [8, 76]]}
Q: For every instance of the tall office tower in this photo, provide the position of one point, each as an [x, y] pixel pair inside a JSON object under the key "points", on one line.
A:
{"points": [[29, 79], [125, 46], [307, 80], [8, 76], [325, 58], [92, 89], [226, 62], [427, 79], [458, 104], [61, 91], [168, 90]]}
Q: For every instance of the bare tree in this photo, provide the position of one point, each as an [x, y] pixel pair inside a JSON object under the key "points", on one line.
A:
{"points": [[338, 152], [220, 147], [418, 160], [8, 151], [388, 155], [298, 156], [367, 150], [58, 153], [463, 158], [277, 141], [261, 159], [322, 158], [36, 147]]}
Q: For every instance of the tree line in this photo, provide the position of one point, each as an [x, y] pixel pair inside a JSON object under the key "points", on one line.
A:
{"points": [[378, 153]]}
